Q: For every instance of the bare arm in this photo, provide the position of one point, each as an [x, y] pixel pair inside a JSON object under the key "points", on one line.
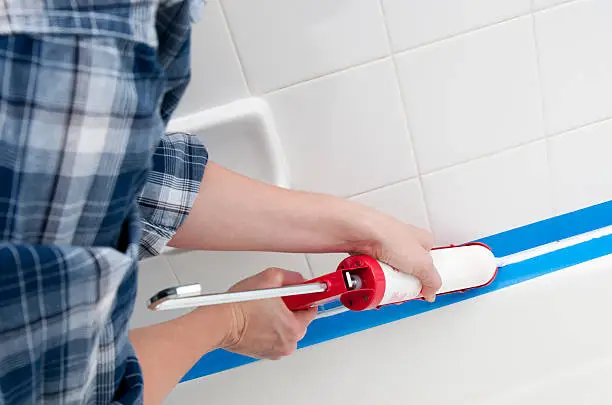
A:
{"points": [[168, 350], [233, 212], [264, 329]]}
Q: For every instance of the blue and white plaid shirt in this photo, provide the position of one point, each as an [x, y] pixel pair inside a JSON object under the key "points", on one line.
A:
{"points": [[89, 183]]}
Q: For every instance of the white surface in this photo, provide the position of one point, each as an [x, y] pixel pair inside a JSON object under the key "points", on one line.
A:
{"points": [[154, 274], [216, 74], [541, 4], [281, 42], [403, 200], [217, 271], [472, 95], [489, 195], [576, 60], [581, 167], [416, 22], [240, 136], [519, 345], [345, 133]]}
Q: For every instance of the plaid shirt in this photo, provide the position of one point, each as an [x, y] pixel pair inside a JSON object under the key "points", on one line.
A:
{"points": [[88, 183]]}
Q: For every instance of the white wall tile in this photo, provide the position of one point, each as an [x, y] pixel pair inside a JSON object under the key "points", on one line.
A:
{"points": [[415, 22], [216, 75], [541, 4], [403, 200], [576, 60], [489, 195], [345, 133], [281, 42], [472, 95], [217, 271], [154, 274], [581, 167]]}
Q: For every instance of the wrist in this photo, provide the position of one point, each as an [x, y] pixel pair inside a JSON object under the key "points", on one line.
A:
{"points": [[216, 322], [361, 227]]}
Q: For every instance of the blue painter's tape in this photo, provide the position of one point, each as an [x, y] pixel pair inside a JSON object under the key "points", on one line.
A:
{"points": [[509, 242], [550, 230]]}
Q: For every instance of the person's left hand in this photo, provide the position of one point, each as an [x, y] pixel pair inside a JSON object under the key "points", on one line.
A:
{"points": [[407, 249]]}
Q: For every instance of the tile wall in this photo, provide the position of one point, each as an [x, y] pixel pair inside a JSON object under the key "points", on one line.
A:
{"points": [[467, 117]]}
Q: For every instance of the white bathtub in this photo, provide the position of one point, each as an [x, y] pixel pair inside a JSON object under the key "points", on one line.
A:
{"points": [[544, 341]]}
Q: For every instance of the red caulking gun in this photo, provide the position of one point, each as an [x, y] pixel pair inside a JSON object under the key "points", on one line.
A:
{"points": [[359, 282]]}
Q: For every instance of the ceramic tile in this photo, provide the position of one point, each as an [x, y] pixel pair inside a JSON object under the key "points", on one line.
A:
{"points": [[404, 201], [217, 271], [472, 95], [281, 42], [581, 167], [542, 4], [216, 75], [501, 348], [576, 60], [345, 133], [154, 274], [489, 195], [414, 22]]}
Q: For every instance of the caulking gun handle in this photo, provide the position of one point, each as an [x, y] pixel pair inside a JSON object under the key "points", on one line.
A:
{"points": [[335, 288]]}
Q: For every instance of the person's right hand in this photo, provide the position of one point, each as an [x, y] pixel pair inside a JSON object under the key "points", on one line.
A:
{"points": [[267, 329]]}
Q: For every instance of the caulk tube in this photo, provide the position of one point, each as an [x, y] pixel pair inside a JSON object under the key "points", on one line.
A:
{"points": [[460, 267]]}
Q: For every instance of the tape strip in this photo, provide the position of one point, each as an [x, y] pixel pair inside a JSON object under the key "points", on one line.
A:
{"points": [[503, 244]]}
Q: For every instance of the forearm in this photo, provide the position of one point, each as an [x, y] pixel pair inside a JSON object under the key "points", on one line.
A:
{"points": [[168, 350], [233, 212]]}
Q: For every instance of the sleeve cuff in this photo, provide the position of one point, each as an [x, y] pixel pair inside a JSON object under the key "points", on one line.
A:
{"points": [[170, 190]]}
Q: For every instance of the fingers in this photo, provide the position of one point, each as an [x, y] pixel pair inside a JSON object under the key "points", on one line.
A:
{"points": [[430, 279], [305, 317]]}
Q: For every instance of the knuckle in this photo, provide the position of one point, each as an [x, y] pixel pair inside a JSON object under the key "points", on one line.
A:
{"points": [[273, 275]]}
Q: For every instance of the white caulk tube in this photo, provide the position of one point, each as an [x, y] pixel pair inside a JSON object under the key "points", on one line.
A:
{"points": [[461, 268]]}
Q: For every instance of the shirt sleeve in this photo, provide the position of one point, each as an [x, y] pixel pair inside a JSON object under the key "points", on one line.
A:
{"points": [[171, 189]]}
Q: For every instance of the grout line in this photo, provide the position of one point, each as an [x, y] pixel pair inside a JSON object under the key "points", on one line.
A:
{"points": [[484, 156], [330, 73], [234, 46], [309, 265], [383, 186], [579, 127], [547, 146], [480, 28], [171, 267], [409, 132], [554, 6]]}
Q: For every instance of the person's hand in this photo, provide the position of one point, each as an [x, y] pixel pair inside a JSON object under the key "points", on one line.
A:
{"points": [[407, 249], [267, 329]]}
